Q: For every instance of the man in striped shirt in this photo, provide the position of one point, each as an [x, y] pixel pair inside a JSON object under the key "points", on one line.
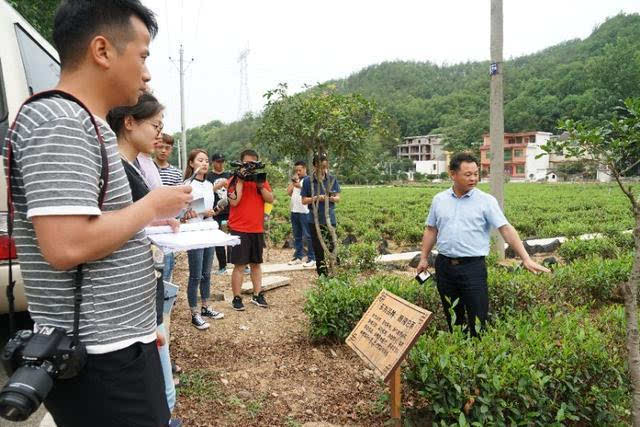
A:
{"points": [[55, 171], [169, 175]]}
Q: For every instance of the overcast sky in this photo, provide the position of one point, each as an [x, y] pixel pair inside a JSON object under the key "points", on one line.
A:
{"points": [[303, 42]]}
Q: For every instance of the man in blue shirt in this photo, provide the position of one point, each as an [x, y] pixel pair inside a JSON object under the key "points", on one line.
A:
{"points": [[460, 221], [322, 181]]}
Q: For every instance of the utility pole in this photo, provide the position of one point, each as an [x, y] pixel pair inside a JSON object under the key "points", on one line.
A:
{"points": [[243, 97], [182, 153], [496, 132]]}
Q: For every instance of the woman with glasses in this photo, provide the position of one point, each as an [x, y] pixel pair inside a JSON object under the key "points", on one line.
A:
{"points": [[137, 129]]}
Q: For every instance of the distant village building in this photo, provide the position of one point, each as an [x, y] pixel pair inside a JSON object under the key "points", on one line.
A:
{"points": [[520, 152], [426, 152]]}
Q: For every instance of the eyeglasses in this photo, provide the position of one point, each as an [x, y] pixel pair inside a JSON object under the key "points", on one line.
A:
{"points": [[157, 126]]}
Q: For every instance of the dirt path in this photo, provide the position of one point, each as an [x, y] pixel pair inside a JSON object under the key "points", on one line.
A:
{"points": [[257, 367]]}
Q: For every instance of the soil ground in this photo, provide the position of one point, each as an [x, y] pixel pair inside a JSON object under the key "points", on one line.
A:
{"points": [[258, 367]]}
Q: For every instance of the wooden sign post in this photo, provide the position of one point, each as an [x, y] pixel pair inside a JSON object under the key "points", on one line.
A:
{"points": [[384, 335]]}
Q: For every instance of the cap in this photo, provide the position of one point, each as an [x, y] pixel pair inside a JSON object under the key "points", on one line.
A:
{"points": [[217, 157]]}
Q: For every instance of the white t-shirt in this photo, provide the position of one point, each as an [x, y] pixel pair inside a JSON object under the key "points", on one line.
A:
{"points": [[202, 189], [296, 201]]}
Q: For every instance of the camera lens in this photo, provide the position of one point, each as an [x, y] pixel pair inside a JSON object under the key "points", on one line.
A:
{"points": [[24, 392]]}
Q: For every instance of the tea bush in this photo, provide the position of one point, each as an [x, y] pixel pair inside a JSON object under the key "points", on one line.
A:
{"points": [[545, 367], [606, 247], [335, 305], [358, 257]]}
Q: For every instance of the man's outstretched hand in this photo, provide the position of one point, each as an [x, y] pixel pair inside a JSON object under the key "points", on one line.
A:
{"points": [[534, 267]]}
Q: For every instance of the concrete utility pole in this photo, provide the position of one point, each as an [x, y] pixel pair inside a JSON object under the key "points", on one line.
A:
{"points": [[182, 153], [496, 132]]}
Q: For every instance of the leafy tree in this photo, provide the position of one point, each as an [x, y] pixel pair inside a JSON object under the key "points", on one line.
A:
{"points": [[39, 13], [614, 145], [324, 122]]}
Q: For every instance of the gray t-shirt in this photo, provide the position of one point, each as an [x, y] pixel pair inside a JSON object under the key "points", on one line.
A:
{"points": [[55, 171]]}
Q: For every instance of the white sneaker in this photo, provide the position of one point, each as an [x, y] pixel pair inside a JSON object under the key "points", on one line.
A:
{"points": [[295, 261], [198, 322], [309, 264]]}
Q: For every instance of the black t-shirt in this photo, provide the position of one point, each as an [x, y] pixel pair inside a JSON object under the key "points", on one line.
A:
{"points": [[212, 177], [139, 189]]}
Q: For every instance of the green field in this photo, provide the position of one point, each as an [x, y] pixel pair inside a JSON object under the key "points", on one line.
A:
{"points": [[397, 213]]}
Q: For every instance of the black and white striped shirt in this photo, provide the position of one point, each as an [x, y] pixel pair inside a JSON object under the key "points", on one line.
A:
{"points": [[55, 171], [170, 175]]}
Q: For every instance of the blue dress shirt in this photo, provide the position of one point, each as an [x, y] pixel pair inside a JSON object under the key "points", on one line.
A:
{"points": [[464, 223]]}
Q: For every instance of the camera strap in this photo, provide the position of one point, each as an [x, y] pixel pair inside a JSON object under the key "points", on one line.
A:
{"points": [[102, 185]]}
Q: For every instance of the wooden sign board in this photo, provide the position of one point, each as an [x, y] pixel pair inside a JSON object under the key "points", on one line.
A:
{"points": [[387, 331]]}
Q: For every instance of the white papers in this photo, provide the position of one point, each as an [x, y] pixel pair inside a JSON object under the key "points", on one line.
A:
{"points": [[204, 234]]}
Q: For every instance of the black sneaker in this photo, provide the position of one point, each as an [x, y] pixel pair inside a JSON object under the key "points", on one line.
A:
{"points": [[208, 312], [198, 322], [237, 304], [259, 300]]}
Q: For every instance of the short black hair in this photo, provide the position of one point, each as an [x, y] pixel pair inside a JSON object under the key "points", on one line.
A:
{"points": [[458, 159], [317, 158], [301, 163], [77, 22], [147, 106], [249, 152]]}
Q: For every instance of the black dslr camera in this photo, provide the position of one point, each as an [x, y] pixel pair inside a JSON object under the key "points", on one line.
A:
{"points": [[33, 361], [246, 171]]}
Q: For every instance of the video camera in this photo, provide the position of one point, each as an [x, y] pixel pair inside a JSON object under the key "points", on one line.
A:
{"points": [[34, 360], [246, 171]]}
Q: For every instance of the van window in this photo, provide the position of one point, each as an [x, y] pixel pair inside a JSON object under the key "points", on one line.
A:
{"points": [[42, 70], [4, 111]]}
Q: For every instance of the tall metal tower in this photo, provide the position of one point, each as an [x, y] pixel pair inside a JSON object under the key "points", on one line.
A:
{"points": [[244, 104]]}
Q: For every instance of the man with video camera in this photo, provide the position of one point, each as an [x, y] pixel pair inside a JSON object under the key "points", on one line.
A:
{"points": [[248, 191], [84, 256]]}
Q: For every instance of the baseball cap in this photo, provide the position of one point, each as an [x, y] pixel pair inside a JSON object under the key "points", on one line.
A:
{"points": [[217, 157]]}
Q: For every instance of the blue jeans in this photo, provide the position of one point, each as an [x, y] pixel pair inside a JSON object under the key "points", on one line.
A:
{"points": [[300, 228], [169, 263], [165, 361], [200, 261]]}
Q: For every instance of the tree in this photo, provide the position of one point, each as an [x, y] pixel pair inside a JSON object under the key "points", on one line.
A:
{"points": [[39, 13], [614, 145], [323, 122]]}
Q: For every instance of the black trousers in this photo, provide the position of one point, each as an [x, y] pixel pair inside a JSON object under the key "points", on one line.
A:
{"points": [[321, 264], [465, 281], [221, 251], [121, 388]]}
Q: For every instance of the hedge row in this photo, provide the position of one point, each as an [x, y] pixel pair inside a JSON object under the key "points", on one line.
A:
{"points": [[336, 304], [544, 367]]}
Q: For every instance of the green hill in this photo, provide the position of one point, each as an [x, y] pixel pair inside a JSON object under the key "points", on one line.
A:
{"points": [[580, 79]]}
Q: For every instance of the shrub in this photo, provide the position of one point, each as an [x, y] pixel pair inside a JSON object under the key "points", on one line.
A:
{"points": [[545, 367], [358, 257], [337, 304], [606, 247]]}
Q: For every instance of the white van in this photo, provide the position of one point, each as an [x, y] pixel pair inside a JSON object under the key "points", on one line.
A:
{"points": [[28, 64]]}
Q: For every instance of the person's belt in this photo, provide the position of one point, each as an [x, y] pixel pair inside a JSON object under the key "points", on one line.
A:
{"points": [[461, 260]]}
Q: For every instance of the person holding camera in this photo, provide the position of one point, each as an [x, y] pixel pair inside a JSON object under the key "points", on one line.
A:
{"points": [[80, 238], [248, 193], [220, 180], [200, 260], [299, 214], [460, 221], [325, 189]]}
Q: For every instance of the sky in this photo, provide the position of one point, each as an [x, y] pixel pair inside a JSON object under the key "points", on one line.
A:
{"points": [[304, 42]]}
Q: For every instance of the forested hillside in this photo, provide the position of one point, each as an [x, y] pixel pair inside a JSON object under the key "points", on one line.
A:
{"points": [[580, 79]]}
